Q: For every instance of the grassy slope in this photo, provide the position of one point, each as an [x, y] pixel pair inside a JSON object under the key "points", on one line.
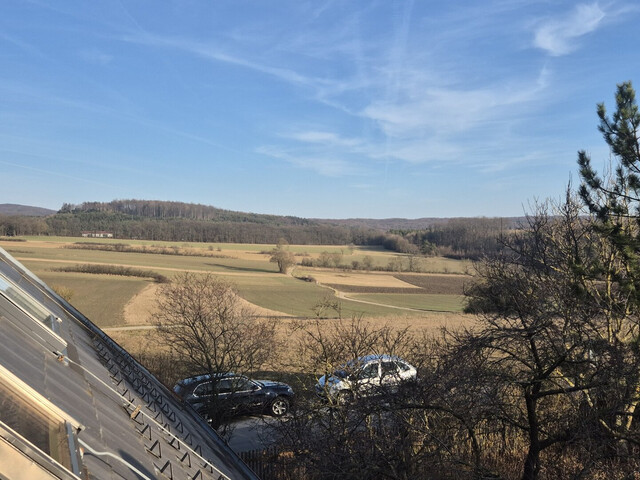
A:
{"points": [[101, 298], [297, 298], [433, 303]]}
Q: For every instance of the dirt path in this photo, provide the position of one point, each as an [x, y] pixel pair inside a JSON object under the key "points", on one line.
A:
{"points": [[140, 308], [343, 296]]}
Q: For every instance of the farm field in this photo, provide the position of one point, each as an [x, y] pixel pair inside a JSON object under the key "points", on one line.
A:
{"points": [[426, 302], [114, 301], [99, 297]]}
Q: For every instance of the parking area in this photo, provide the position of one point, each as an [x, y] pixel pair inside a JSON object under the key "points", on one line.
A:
{"points": [[252, 433]]}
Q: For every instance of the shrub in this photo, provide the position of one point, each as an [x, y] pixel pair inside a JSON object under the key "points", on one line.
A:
{"points": [[65, 292], [114, 270]]}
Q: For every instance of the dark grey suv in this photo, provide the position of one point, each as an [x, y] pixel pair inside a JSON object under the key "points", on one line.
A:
{"points": [[223, 395]]}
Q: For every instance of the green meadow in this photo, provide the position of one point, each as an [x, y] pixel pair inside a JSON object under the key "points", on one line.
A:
{"points": [[426, 302]]}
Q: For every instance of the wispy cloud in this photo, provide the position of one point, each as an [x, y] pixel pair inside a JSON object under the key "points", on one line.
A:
{"points": [[214, 53], [417, 108], [446, 111], [558, 36], [52, 173], [418, 151], [323, 165], [325, 138]]}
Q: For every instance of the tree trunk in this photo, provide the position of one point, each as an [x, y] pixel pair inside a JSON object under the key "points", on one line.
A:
{"points": [[532, 462]]}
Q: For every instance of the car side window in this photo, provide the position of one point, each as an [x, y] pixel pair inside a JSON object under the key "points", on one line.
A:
{"points": [[402, 366], [369, 371], [389, 369], [241, 384], [203, 389], [224, 386]]}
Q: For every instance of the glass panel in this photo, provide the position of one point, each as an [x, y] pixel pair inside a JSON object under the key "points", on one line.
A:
{"points": [[203, 389], [224, 386], [241, 384], [24, 301], [47, 434], [370, 371], [403, 366], [389, 369]]}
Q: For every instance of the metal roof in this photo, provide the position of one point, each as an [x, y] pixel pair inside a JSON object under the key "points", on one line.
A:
{"points": [[121, 421]]}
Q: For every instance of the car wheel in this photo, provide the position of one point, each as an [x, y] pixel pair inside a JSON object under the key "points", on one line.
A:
{"points": [[344, 397], [279, 406]]}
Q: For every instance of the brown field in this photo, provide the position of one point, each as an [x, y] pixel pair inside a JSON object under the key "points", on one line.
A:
{"points": [[365, 289], [439, 284], [369, 279], [141, 307]]}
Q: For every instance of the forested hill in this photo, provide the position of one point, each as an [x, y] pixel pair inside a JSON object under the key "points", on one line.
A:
{"points": [[186, 222], [158, 209], [26, 210]]}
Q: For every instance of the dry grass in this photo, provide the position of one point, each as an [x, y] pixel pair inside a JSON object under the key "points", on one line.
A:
{"points": [[37, 244], [140, 309], [371, 279]]}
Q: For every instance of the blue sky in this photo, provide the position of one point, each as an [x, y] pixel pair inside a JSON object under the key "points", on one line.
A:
{"points": [[330, 109]]}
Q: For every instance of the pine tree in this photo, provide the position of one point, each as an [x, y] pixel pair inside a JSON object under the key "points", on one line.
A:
{"points": [[615, 197]]}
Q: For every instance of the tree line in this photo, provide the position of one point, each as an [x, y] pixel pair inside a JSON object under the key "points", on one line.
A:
{"points": [[167, 209], [182, 222]]}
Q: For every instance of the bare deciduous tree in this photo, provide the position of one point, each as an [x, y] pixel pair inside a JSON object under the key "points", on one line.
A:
{"points": [[202, 318], [208, 327]]}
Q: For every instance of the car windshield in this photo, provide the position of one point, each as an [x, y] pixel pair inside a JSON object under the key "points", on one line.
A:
{"points": [[341, 373]]}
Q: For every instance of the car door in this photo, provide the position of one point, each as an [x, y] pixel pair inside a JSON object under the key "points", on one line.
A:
{"points": [[367, 379], [224, 398], [201, 397], [390, 375], [247, 395], [406, 372]]}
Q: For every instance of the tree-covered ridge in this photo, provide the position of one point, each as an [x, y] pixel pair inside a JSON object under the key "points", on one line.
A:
{"points": [[186, 222], [26, 210], [160, 209], [192, 230]]}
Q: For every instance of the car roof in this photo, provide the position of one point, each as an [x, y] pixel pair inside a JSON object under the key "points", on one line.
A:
{"points": [[206, 376], [373, 357]]}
